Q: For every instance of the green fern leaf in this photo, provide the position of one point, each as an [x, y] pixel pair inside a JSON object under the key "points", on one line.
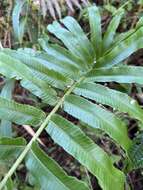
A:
{"points": [[122, 74], [19, 113], [13, 68], [97, 117], [10, 148], [115, 99], [76, 143], [48, 173], [111, 31], [62, 54], [5, 126], [95, 27], [122, 50]]}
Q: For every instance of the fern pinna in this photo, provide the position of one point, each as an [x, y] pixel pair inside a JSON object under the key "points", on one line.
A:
{"points": [[71, 78]]}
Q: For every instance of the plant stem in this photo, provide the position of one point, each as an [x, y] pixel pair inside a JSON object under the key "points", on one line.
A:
{"points": [[39, 131]]}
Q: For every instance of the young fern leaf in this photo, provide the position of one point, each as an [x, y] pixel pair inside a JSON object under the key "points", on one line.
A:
{"points": [[95, 27], [111, 31], [76, 67], [62, 53], [85, 49], [122, 50], [72, 41]]}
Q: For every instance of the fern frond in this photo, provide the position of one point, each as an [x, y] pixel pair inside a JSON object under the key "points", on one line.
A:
{"points": [[54, 7], [74, 69]]}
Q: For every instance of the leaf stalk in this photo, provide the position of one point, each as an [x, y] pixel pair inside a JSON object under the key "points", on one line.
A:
{"points": [[37, 134]]}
